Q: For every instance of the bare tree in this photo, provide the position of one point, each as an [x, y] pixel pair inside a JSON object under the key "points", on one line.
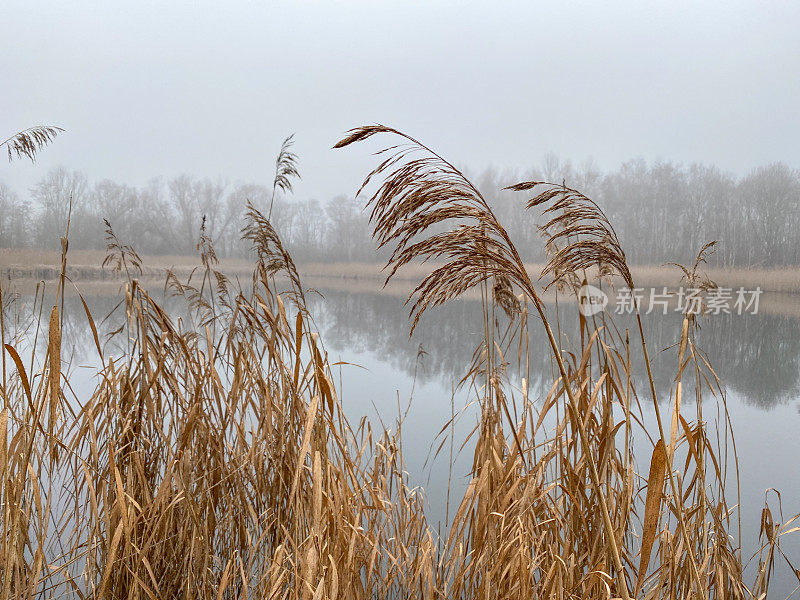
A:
{"points": [[349, 236], [15, 219], [770, 200], [54, 195]]}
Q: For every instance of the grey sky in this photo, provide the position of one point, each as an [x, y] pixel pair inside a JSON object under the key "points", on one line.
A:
{"points": [[149, 88]]}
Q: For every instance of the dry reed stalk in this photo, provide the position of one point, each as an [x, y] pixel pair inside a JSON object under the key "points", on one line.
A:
{"points": [[420, 192]]}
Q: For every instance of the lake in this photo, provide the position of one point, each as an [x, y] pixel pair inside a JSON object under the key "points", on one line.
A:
{"points": [[757, 357], [382, 373]]}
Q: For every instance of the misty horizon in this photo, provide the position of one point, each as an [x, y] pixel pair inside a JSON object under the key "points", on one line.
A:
{"points": [[663, 212], [211, 91]]}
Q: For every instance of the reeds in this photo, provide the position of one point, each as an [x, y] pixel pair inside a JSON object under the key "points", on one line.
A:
{"points": [[29, 141], [214, 459], [427, 210]]}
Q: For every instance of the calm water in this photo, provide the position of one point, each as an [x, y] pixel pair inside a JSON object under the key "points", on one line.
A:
{"points": [[756, 356]]}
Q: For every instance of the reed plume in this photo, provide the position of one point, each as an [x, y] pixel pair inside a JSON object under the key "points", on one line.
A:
{"points": [[421, 192], [29, 142], [578, 235], [285, 170]]}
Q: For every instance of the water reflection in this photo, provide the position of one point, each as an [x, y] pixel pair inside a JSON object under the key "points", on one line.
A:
{"points": [[756, 356]]}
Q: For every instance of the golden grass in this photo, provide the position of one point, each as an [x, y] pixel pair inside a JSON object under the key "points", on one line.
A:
{"points": [[214, 460]]}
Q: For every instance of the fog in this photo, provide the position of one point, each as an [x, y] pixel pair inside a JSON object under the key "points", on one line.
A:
{"points": [[211, 89], [662, 212]]}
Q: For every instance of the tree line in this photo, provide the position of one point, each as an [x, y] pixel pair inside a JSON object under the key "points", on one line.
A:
{"points": [[661, 212], [665, 212]]}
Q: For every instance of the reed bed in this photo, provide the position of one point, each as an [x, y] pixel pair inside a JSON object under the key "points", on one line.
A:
{"points": [[214, 459]]}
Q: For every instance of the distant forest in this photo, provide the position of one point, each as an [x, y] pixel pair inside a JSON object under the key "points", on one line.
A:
{"points": [[661, 212]]}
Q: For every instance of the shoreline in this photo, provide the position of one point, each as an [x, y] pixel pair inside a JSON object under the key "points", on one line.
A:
{"points": [[24, 269], [785, 280]]}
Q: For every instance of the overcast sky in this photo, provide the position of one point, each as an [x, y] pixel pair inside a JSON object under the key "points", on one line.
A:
{"points": [[163, 88]]}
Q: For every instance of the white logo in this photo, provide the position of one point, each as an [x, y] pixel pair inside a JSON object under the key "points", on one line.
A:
{"points": [[591, 300]]}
